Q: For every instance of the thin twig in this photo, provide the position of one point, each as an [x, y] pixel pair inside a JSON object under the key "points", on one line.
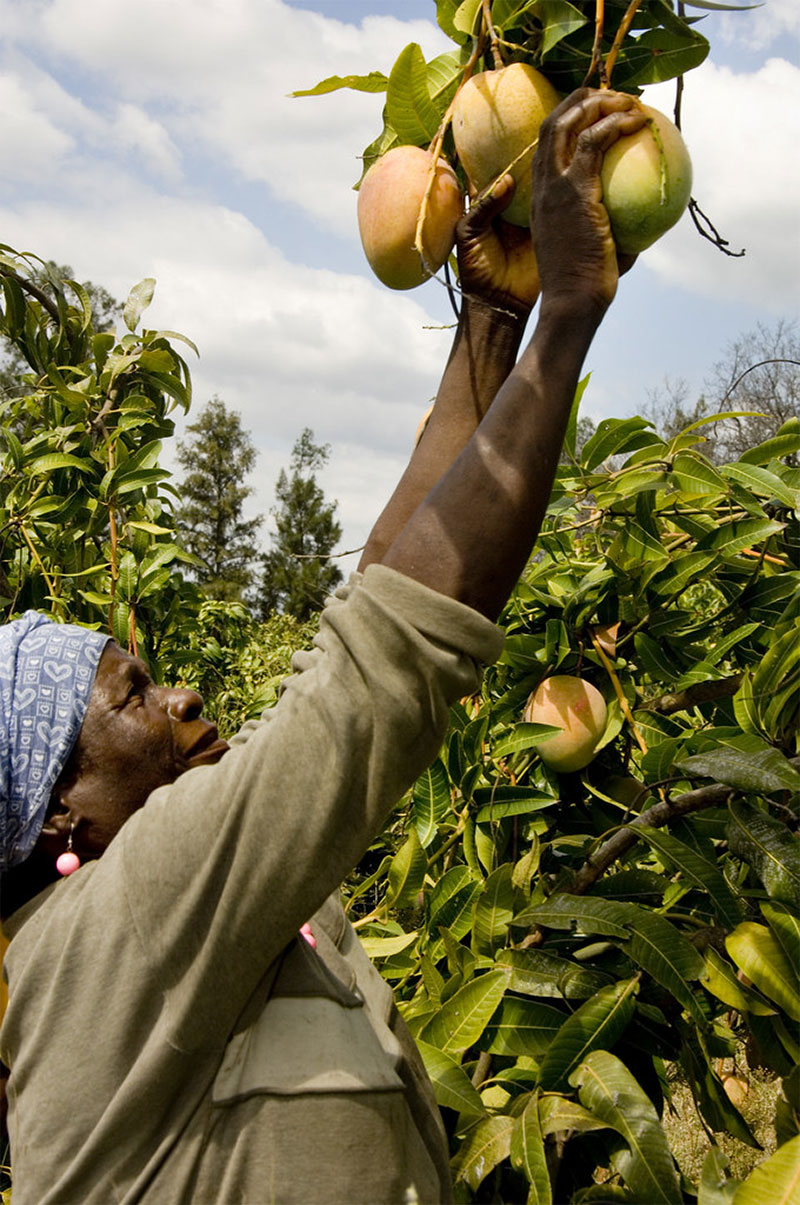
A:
{"points": [[597, 63], [619, 37], [710, 231], [494, 41]]}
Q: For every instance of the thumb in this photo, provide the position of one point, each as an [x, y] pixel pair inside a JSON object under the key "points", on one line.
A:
{"points": [[489, 205]]}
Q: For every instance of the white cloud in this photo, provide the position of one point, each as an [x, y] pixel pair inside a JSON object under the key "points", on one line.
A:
{"points": [[762, 27], [742, 132], [220, 74], [134, 129]]}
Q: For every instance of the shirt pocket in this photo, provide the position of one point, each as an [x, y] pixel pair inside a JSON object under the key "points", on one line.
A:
{"points": [[313, 1034]]}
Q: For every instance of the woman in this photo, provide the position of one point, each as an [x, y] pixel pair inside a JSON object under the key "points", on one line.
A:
{"points": [[172, 1035]]}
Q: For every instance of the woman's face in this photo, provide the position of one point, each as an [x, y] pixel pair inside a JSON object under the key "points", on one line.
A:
{"points": [[136, 736]]}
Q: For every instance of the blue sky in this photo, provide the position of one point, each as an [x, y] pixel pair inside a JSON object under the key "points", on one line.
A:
{"points": [[159, 140]]}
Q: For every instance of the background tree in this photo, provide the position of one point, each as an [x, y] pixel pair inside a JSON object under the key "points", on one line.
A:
{"points": [[216, 460], [758, 373], [298, 572]]}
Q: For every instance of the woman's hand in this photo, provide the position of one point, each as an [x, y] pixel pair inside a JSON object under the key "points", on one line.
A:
{"points": [[496, 263], [575, 249]]}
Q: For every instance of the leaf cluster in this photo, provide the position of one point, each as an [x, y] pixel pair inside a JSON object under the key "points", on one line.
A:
{"points": [[557, 941], [86, 526], [567, 42]]}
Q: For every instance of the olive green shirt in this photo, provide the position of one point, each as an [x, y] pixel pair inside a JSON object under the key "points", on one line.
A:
{"points": [[171, 1039]]}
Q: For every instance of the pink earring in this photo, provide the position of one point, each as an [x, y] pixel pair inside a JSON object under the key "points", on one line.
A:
{"points": [[68, 862]]}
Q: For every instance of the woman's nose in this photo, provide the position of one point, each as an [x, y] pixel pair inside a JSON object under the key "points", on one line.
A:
{"points": [[182, 703]]}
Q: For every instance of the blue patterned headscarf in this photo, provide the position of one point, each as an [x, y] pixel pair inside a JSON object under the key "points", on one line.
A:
{"points": [[47, 671]]}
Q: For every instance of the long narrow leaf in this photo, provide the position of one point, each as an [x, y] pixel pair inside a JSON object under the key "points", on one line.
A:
{"points": [[598, 1023], [461, 1021], [609, 1091]]}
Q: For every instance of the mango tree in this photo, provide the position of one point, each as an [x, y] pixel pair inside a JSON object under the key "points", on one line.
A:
{"points": [[86, 526], [558, 940]]}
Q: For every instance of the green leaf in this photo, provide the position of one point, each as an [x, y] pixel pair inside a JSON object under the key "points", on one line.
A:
{"points": [[597, 1024], [761, 482], [662, 950], [484, 1146], [451, 1084], [772, 449], [697, 870], [722, 982], [128, 574], [59, 460], [523, 736], [785, 924], [450, 901], [406, 873], [138, 300], [537, 972], [409, 109], [431, 801], [760, 769], [731, 538], [523, 1027], [614, 436], [776, 1181], [385, 947], [494, 910], [495, 803], [557, 1113], [696, 477], [609, 1091], [671, 55], [463, 1018], [769, 847], [528, 1154], [571, 436], [715, 1188], [756, 951], [559, 19], [466, 15], [376, 81], [593, 916]]}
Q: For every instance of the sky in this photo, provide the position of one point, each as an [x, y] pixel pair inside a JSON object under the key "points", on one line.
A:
{"points": [[159, 139]]}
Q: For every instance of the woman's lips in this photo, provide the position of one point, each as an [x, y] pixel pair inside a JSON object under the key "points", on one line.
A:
{"points": [[210, 754]]}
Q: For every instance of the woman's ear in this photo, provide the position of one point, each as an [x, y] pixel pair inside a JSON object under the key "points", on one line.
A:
{"points": [[59, 819]]}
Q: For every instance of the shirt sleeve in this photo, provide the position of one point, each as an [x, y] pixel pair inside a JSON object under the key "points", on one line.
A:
{"points": [[222, 867]]}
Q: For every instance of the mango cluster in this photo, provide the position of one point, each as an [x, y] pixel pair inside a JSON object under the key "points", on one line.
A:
{"points": [[646, 176]]}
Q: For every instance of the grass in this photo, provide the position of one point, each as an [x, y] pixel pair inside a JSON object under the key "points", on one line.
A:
{"points": [[755, 1094]]}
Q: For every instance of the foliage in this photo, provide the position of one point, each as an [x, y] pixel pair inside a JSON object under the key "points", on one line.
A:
{"points": [[80, 455], [106, 312], [216, 460], [237, 663], [759, 376], [556, 942], [298, 572], [570, 43]]}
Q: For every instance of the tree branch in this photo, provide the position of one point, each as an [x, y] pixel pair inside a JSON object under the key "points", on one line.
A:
{"points": [[655, 817], [29, 287], [698, 692]]}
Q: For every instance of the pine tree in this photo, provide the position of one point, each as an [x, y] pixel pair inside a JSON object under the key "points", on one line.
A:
{"points": [[298, 572], [216, 460]]}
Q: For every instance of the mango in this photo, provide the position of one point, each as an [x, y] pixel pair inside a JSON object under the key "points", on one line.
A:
{"points": [[496, 119], [576, 707], [389, 203], [647, 182]]}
